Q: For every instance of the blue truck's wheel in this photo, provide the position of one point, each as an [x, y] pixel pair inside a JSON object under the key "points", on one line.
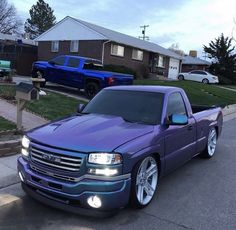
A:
{"points": [[210, 149], [144, 182], [91, 89]]}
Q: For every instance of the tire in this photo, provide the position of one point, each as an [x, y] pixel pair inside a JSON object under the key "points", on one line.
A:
{"points": [[210, 149], [91, 89], [142, 184], [205, 81], [181, 77]]}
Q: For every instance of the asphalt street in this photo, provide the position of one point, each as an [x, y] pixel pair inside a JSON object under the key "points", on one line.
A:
{"points": [[199, 195]]}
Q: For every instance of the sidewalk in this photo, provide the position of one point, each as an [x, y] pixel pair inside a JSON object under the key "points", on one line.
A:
{"points": [[30, 120], [8, 171]]}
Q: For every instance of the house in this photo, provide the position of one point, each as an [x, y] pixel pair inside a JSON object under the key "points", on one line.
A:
{"points": [[192, 62], [20, 52], [76, 37]]}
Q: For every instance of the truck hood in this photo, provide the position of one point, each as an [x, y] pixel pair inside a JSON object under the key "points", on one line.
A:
{"points": [[89, 133]]}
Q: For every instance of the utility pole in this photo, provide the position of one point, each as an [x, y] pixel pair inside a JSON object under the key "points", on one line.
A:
{"points": [[144, 37]]}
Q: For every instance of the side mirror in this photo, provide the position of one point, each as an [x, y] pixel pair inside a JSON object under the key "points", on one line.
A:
{"points": [[80, 108], [177, 119], [51, 62]]}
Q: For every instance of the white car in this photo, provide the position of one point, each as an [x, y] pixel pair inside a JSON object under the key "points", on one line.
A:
{"points": [[200, 76]]}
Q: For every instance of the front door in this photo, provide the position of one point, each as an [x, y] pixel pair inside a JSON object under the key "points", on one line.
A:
{"points": [[180, 141]]}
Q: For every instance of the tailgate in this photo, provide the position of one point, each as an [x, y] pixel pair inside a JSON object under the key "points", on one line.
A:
{"points": [[123, 79]]}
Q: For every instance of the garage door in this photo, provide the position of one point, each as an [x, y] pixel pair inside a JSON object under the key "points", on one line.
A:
{"points": [[173, 68]]}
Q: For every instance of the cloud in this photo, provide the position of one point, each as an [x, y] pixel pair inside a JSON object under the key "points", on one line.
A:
{"points": [[190, 23]]}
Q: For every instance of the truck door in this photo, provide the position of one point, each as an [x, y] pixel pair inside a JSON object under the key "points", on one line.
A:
{"points": [[72, 74], [55, 69], [179, 139]]}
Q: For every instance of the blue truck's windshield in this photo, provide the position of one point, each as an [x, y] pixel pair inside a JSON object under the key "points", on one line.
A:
{"points": [[132, 106]]}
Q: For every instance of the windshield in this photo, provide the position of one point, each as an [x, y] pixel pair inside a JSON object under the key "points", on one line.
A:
{"points": [[132, 106]]}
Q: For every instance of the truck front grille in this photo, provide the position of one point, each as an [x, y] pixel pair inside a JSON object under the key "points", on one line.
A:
{"points": [[55, 160]]}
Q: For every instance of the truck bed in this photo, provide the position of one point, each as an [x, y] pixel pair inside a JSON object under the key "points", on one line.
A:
{"points": [[200, 108]]}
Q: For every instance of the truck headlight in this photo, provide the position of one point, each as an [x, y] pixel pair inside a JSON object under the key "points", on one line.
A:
{"points": [[25, 142], [105, 158]]}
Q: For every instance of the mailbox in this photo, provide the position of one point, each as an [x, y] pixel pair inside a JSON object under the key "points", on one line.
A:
{"points": [[27, 92]]}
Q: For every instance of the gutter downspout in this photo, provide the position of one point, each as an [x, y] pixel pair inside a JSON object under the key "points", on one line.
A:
{"points": [[103, 49]]}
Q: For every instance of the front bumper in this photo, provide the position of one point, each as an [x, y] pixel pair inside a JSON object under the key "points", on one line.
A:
{"points": [[73, 196]]}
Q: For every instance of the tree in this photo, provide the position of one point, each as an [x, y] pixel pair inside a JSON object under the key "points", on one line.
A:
{"points": [[41, 19], [175, 48], [223, 56], [10, 23]]}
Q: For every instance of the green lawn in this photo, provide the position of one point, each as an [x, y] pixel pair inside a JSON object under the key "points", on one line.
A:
{"points": [[7, 91], [198, 93], [6, 125], [53, 106]]}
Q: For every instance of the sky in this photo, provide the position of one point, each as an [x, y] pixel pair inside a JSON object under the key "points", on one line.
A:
{"points": [[189, 23]]}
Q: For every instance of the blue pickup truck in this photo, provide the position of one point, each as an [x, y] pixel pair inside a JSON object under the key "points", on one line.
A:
{"points": [[79, 72]]}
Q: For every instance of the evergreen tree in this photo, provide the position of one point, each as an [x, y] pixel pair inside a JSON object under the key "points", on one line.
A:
{"points": [[223, 56], [41, 19]]}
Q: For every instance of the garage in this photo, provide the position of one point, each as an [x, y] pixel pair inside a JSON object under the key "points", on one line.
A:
{"points": [[173, 68]]}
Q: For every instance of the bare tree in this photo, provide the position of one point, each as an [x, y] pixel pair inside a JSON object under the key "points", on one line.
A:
{"points": [[10, 23]]}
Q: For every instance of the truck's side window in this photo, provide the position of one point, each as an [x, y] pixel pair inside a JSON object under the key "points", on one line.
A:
{"points": [[175, 104], [59, 60], [73, 62]]}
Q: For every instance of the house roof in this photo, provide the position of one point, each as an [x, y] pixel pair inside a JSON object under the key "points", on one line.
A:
{"points": [[102, 33], [188, 60], [15, 38]]}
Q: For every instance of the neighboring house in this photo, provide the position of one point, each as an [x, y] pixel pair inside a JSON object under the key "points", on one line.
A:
{"points": [[76, 37], [20, 52], [192, 62]]}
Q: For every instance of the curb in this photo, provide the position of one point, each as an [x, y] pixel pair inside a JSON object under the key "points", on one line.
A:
{"points": [[11, 147]]}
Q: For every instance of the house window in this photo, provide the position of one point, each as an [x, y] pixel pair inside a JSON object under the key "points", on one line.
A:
{"points": [[74, 46], [55, 46], [117, 50], [137, 54], [161, 61]]}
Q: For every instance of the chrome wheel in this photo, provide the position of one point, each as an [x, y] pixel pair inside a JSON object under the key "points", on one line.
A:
{"points": [[205, 81], [211, 146], [146, 180]]}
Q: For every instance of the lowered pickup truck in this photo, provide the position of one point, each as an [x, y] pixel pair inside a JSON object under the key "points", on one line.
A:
{"points": [[115, 150], [79, 72]]}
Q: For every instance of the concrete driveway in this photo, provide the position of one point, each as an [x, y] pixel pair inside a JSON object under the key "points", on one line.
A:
{"points": [[199, 195]]}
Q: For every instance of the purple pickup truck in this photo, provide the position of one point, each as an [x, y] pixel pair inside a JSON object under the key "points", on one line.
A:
{"points": [[116, 148]]}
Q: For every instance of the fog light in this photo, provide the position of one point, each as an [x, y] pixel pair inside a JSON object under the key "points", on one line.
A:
{"points": [[105, 172], [25, 152], [21, 176], [94, 201]]}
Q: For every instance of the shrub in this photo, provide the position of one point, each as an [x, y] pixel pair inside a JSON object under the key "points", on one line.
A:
{"points": [[120, 69], [225, 81]]}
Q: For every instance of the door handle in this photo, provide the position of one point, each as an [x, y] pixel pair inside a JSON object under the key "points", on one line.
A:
{"points": [[190, 127]]}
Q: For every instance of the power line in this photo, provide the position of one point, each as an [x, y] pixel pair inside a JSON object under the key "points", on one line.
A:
{"points": [[144, 37]]}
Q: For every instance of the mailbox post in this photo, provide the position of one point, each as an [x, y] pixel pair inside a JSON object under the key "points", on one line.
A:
{"points": [[26, 92]]}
